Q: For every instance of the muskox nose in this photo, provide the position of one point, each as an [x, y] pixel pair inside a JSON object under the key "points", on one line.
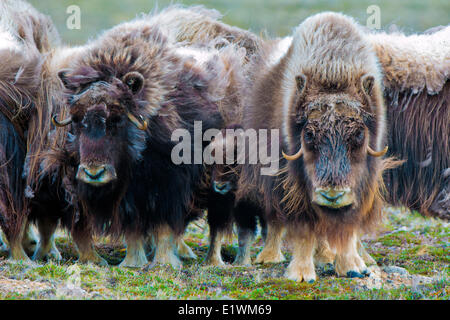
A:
{"points": [[333, 197], [96, 175], [221, 187]]}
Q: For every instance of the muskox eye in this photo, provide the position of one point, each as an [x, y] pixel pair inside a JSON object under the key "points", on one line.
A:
{"points": [[308, 137], [76, 119], [116, 119], [358, 138]]}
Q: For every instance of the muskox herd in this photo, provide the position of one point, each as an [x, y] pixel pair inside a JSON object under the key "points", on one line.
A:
{"points": [[87, 136]]}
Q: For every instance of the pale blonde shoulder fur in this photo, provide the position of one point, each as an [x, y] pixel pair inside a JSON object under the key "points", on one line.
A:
{"points": [[416, 62]]}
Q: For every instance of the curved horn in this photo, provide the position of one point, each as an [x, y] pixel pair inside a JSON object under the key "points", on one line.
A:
{"points": [[140, 124], [63, 123], [293, 157], [374, 153]]}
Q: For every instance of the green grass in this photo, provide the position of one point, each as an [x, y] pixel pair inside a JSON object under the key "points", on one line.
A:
{"points": [[406, 240], [277, 17]]}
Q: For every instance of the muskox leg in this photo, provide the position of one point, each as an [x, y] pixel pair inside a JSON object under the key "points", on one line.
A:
{"points": [[348, 262], [324, 256], [3, 245], [214, 257], [245, 239], [301, 267], [29, 240], [271, 253], [246, 221], [14, 238], [135, 257], [82, 236], [184, 251], [220, 221], [365, 255], [46, 246], [166, 247], [17, 253]]}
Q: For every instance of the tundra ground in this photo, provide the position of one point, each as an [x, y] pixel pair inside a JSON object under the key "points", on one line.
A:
{"points": [[412, 255]]}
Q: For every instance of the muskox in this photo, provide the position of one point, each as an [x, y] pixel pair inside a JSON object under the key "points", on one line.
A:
{"points": [[24, 35], [417, 91], [324, 94], [126, 94]]}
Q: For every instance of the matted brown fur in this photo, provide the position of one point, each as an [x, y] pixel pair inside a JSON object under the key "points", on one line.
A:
{"points": [[417, 93], [197, 25], [25, 35]]}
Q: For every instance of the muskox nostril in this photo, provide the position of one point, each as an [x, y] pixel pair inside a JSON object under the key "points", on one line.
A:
{"points": [[94, 174], [332, 196], [221, 188]]}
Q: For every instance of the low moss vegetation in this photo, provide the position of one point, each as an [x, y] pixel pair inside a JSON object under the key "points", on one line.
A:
{"points": [[406, 240]]}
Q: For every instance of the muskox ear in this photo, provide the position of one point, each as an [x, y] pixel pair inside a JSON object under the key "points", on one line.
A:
{"points": [[134, 80], [368, 83], [300, 82]]}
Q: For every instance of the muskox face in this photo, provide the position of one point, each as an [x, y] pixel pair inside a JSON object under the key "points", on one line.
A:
{"points": [[106, 135], [224, 175], [224, 179], [332, 129]]}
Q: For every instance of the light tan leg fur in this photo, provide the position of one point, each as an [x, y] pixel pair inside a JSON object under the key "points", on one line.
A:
{"points": [[46, 247], [184, 251], [324, 256], [348, 262], [271, 253], [214, 257], [166, 246], [301, 267], [135, 257], [365, 255]]}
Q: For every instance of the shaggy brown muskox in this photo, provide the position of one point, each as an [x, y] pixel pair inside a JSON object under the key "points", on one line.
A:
{"points": [[325, 96], [417, 93], [49, 202], [127, 94], [24, 35]]}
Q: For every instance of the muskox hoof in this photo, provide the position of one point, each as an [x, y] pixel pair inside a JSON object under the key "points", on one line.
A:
{"points": [[270, 256], [350, 265], [366, 272], [168, 258], [42, 254], [30, 241], [94, 258], [241, 261], [301, 273], [214, 262], [134, 262], [328, 269], [102, 262], [354, 274], [184, 251], [55, 255]]}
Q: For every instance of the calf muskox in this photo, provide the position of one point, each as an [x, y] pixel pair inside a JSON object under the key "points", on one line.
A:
{"points": [[24, 35], [417, 91], [325, 96], [198, 26]]}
